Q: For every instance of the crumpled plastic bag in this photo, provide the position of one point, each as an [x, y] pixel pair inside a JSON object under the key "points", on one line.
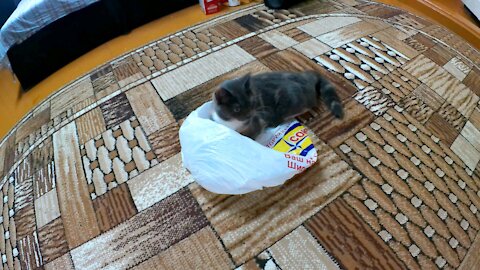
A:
{"points": [[223, 161]]}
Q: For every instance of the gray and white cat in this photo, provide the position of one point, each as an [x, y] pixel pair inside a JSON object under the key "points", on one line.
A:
{"points": [[254, 102]]}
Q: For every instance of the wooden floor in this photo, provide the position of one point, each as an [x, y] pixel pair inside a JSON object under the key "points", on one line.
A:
{"points": [[450, 13], [15, 104]]}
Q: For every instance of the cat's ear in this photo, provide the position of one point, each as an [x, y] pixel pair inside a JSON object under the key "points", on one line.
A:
{"points": [[245, 81], [223, 96]]}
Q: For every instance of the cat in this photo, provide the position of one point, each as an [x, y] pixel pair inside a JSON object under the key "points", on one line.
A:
{"points": [[251, 103]]}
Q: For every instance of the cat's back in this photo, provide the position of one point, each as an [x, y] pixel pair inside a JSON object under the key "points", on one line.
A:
{"points": [[274, 82], [278, 81]]}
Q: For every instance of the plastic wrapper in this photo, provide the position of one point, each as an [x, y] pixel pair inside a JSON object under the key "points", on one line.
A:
{"points": [[223, 161]]}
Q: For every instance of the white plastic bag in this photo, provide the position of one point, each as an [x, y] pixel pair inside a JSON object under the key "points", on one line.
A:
{"points": [[225, 162]]}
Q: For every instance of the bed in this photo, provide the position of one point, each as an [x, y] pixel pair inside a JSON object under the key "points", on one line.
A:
{"points": [[29, 17], [41, 36]]}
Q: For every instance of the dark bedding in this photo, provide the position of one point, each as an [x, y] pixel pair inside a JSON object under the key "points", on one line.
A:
{"points": [[72, 36], [6, 9]]}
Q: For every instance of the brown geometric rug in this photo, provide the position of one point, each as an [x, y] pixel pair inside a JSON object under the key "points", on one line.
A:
{"points": [[92, 178]]}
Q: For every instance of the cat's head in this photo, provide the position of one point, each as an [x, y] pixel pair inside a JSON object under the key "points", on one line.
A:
{"points": [[232, 99]]}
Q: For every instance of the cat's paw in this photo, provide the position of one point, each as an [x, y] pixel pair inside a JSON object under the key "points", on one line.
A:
{"points": [[337, 109]]}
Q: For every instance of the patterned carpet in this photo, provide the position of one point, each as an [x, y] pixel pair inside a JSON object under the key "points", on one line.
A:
{"points": [[92, 178]]}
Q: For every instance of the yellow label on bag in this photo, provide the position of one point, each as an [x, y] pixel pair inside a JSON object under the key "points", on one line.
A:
{"points": [[295, 141]]}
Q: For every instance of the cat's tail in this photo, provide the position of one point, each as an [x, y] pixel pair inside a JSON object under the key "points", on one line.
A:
{"points": [[327, 92]]}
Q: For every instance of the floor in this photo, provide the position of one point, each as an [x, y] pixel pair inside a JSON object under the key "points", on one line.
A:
{"points": [[94, 179], [451, 14], [16, 104]]}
